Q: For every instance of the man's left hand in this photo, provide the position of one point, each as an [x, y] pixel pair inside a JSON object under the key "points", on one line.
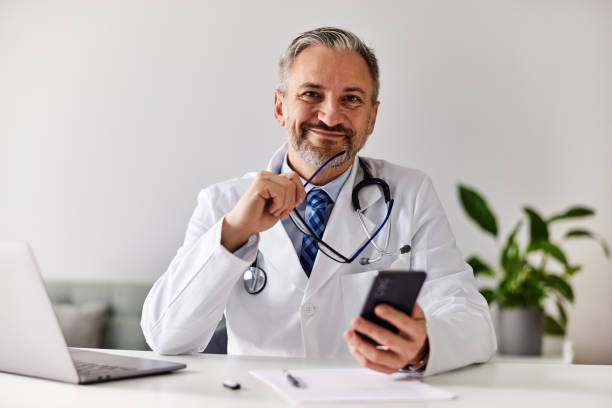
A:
{"points": [[406, 347]]}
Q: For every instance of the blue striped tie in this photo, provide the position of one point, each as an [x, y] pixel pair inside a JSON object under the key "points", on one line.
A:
{"points": [[318, 200]]}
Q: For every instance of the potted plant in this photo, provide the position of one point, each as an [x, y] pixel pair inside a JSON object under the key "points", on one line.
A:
{"points": [[527, 274]]}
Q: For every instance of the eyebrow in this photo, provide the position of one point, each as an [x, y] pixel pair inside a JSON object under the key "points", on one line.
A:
{"points": [[311, 85], [355, 89], [317, 86]]}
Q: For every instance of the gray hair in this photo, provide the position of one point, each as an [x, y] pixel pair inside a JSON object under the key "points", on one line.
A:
{"points": [[330, 37]]}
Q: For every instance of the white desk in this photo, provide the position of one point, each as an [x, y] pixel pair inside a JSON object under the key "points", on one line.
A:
{"points": [[499, 384]]}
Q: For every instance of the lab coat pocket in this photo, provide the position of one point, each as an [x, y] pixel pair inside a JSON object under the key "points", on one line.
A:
{"points": [[355, 288]]}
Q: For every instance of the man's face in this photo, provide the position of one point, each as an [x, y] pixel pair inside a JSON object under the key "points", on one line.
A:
{"points": [[327, 105]]}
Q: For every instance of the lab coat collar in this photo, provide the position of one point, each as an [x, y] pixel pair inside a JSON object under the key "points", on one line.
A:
{"points": [[332, 188], [276, 162]]}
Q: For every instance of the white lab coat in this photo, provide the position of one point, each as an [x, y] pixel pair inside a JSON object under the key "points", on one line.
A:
{"points": [[306, 317]]}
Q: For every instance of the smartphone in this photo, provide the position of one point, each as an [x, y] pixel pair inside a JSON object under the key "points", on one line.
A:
{"points": [[399, 289]]}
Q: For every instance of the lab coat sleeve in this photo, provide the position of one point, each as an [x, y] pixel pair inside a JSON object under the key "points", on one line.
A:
{"points": [[458, 319], [187, 302]]}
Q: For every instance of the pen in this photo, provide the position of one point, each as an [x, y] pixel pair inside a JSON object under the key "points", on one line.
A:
{"points": [[291, 379]]}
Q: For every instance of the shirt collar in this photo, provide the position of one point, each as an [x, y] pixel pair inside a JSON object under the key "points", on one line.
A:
{"points": [[332, 188]]}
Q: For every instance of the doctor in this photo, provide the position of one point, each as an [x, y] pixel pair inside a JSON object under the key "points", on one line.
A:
{"points": [[303, 303]]}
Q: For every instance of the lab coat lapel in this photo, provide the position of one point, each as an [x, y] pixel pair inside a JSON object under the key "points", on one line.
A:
{"points": [[275, 245], [343, 230], [277, 249]]}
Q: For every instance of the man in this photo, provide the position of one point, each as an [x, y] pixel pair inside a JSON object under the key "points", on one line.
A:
{"points": [[327, 101]]}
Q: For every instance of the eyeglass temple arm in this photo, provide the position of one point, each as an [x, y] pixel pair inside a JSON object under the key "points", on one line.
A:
{"points": [[314, 236], [363, 247], [323, 166]]}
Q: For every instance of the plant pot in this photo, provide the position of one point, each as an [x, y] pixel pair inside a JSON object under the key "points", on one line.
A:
{"points": [[520, 331], [553, 345]]}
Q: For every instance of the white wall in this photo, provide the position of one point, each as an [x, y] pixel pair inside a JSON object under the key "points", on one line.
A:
{"points": [[113, 114]]}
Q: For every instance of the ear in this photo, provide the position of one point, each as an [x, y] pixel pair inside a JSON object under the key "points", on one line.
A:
{"points": [[373, 117], [279, 117]]}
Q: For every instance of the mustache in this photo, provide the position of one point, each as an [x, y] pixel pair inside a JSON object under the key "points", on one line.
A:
{"points": [[322, 126]]}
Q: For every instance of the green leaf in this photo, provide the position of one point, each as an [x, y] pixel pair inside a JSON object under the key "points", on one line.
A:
{"points": [[477, 209], [550, 249], [512, 236], [559, 285], [572, 269], [562, 315], [538, 230], [479, 267], [581, 233], [488, 294], [552, 327], [510, 256], [524, 287], [574, 212]]}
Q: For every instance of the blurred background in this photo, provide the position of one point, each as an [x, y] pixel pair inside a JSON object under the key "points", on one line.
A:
{"points": [[114, 114]]}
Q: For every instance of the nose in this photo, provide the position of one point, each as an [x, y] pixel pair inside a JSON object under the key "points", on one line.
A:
{"points": [[330, 112]]}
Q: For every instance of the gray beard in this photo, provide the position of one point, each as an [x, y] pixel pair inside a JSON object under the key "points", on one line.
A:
{"points": [[317, 156]]}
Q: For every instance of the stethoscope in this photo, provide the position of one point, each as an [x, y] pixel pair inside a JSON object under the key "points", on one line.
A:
{"points": [[367, 181], [255, 278]]}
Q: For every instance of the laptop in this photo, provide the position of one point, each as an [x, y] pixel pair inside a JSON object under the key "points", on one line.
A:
{"points": [[32, 342]]}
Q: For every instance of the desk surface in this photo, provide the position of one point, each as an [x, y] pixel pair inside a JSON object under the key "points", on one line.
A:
{"points": [[499, 383]]}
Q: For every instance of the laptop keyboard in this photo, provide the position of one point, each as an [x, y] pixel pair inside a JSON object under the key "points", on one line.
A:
{"points": [[99, 370]]}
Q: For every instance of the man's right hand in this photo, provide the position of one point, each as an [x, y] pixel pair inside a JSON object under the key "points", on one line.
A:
{"points": [[269, 198]]}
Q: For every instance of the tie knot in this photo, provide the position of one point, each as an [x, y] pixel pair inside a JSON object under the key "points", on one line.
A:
{"points": [[317, 199]]}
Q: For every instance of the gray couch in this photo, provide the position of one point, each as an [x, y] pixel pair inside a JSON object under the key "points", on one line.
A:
{"points": [[120, 328]]}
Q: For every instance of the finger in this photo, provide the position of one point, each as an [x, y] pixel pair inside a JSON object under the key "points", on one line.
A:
{"points": [[415, 335], [417, 312], [412, 327], [290, 192], [281, 191], [382, 336], [273, 194], [352, 340], [397, 350], [363, 360], [300, 190]]}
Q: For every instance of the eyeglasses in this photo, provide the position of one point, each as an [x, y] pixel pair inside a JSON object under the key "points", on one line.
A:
{"points": [[321, 245]]}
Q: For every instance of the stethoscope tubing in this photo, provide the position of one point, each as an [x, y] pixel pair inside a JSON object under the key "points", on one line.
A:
{"points": [[257, 272], [371, 237], [387, 238]]}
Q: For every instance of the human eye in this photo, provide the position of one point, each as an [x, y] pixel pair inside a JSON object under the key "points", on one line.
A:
{"points": [[353, 100], [310, 96]]}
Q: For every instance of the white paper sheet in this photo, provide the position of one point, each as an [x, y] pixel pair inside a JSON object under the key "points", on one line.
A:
{"points": [[349, 385]]}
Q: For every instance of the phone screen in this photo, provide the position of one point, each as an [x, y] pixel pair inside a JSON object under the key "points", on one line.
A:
{"points": [[399, 289]]}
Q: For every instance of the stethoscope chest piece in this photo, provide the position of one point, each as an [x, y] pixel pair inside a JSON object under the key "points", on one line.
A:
{"points": [[254, 279]]}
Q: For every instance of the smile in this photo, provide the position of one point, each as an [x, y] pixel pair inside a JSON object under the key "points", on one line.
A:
{"points": [[327, 134]]}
